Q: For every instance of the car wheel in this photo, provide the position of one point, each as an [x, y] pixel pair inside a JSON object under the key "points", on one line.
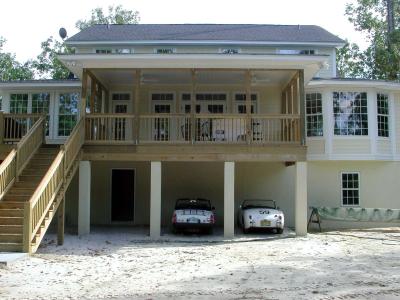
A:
{"points": [[279, 230]]}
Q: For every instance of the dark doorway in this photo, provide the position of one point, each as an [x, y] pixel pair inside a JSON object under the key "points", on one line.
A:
{"points": [[122, 195]]}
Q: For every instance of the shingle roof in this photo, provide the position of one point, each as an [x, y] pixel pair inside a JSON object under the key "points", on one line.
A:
{"points": [[206, 32]]}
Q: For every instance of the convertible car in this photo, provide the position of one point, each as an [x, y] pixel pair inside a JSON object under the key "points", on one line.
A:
{"points": [[262, 214], [193, 215]]}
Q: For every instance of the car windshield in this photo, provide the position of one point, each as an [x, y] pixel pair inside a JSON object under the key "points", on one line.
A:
{"points": [[258, 204], [193, 204]]}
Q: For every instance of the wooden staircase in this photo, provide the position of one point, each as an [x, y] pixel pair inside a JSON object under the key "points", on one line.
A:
{"points": [[12, 205]]}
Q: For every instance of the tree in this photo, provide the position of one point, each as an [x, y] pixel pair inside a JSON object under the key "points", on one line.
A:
{"points": [[47, 63], [116, 15], [379, 20], [10, 68]]}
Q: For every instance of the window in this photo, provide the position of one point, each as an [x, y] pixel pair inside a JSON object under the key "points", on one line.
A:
{"points": [[123, 51], [242, 97], [211, 97], [68, 113], [241, 107], [350, 113], [164, 51], [314, 117], [121, 96], [230, 51], [162, 97], [382, 105], [103, 51], [19, 103], [350, 189], [296, 51], [41, 105]]}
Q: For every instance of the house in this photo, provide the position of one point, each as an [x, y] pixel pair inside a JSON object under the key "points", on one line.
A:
{"points": [[224, 112]]}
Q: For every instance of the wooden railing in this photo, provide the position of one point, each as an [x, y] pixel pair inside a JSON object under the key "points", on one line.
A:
{"points": [[164, 128], [19, 157], [183, 128], [15, 126], [51, 189], [106, 128]]}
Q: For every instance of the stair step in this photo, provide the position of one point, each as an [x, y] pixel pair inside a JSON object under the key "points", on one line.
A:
{"points": [[28, 191], [11, 221], [11, 212], [11, 205], [11, 229], [17, 198], [10, 237], [11, 247]]}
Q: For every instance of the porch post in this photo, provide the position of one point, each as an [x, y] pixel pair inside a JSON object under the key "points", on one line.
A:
{"points": [[155, 200], [302, 107], [84, 92], [84, 197], [249, 131], [61, 222], [193, 107], [301, 198], [136, 122], [229, 199]]}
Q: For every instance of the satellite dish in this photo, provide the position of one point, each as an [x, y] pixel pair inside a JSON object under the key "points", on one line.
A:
{"points": [[62, 32]]}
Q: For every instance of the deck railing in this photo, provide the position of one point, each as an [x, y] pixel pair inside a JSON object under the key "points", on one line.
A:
{"points": [[18, 158], [15, 126], [185, 128], [109, 128]]}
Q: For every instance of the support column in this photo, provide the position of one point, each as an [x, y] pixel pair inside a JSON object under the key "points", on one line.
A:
{"points": [[61, 222], [229, 199], [155, 200], [301, 199], [84, 198]]}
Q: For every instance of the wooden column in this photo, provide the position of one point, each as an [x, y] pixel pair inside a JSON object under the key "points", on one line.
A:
{"points": [[302, 107], [84, 92], [61, 222], [193, 106], [249, 133], [136, 127], [92, 93], [1, 127]]}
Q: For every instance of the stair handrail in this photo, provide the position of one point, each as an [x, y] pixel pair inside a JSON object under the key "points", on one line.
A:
{"points": [[36, 209], [18, 158]]}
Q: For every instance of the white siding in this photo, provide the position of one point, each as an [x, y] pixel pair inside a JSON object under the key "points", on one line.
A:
{"points": [[351, 146]]}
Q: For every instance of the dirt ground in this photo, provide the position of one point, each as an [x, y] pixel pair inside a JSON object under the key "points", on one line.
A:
{"points": [[331, 265]]}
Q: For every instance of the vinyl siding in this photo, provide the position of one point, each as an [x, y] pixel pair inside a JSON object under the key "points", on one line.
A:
{"points": [[351, 146], [384, 146], [315, 147]]}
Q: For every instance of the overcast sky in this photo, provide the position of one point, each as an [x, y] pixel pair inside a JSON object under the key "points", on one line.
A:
{"points": [[25, 24]]}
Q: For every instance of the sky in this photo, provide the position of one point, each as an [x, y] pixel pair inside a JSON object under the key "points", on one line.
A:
{"points": [[25, 24]]}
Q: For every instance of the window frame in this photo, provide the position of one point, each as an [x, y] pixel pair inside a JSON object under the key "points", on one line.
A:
{"points": [[103, 51], [225, 50], [352, 189], [254, 103], [317, 114], [156, 50], [361, 114], [387, 115], [57, 111]]}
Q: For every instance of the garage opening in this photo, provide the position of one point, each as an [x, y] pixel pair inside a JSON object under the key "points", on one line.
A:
{"points": [[122, 195]]}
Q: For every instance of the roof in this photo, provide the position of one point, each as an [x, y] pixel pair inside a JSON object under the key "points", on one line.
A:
{"points": [[354, 82], [40, 83], [206, 32]]}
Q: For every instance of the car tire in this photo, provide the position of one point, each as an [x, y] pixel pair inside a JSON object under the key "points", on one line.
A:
{"points": [[279, 230]]}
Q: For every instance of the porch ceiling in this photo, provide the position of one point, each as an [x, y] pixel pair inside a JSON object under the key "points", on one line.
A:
{"points": [[311, 64], [183, 77]]}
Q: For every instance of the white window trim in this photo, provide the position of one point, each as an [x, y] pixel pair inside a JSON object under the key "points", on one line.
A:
{"points": [[322, 114], [221, 50], [341, 189], [237, 103], [383, 138], [153, 102]]}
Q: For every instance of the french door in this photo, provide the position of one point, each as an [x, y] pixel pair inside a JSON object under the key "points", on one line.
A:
{"points": [[122, 127]]}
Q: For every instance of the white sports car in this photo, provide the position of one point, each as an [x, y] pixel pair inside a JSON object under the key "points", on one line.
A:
{"points": [[193, 215], [260, 214]]}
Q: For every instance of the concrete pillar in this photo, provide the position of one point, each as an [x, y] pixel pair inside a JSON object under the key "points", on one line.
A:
{"points": [[301, 199], [84, 198], [155, 200], [229, 199]]}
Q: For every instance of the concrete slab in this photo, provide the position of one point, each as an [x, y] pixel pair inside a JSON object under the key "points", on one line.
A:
{"points": [[8, 258]]}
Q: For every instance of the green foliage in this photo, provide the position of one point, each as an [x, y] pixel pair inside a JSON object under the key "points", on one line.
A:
{"points": [[47, 63], [10, 68], [381, 59], [116, 15]]}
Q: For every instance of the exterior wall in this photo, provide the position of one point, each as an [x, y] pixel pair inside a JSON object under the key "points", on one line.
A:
{"points": [[378, 187], [396, 123]]}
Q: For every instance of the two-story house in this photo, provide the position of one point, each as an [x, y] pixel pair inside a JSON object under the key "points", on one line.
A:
{"points": [[223, 112]]}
